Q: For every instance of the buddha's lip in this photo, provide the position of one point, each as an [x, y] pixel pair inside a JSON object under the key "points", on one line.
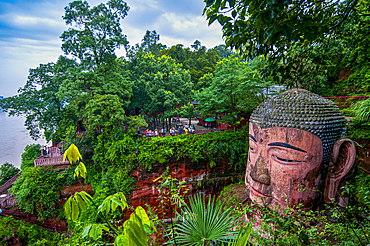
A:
{"points": [[258, 193]]}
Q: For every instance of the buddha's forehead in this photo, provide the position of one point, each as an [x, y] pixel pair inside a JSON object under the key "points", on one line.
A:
{"points": [[297, 137], [300, 109]]}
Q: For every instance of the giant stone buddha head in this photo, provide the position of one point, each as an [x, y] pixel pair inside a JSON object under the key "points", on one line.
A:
{"points": [[296, 152]]}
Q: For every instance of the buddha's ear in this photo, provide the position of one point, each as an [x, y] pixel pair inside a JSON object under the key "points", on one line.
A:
{"points": [[342, 159]]}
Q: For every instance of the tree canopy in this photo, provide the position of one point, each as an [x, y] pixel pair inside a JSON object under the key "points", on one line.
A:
{"points": [[305, 42], [270, 28], [55, 95], [235, 88], [95, 32]]}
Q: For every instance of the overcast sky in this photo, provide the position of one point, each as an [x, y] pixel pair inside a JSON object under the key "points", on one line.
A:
{"points": [[30, 30]]}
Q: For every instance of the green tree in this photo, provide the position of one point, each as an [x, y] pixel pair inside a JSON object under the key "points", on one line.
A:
{"points": [[188, 111], [96, 31], [270, 28], [31, 152], [223, 52], [302, 39], [236, 88], [104, 112], [134, 230], [7, 171], [160, 84], [198, 61], [38, 100], [150, 43], [95, 35], [355, 42], [38, 191]]}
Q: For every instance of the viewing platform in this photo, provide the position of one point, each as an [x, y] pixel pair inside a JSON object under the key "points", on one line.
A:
{"points": [[50, 156]]}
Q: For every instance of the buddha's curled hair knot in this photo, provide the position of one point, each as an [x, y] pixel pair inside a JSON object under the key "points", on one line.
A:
{"points": [[306, 111]]}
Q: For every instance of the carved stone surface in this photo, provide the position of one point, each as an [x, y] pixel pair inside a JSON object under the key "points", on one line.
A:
{"points": [[69, 190], [199, 177], [291, 153]]}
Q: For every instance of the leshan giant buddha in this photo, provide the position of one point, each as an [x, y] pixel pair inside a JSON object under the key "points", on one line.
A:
{"points": [[296, 144]]}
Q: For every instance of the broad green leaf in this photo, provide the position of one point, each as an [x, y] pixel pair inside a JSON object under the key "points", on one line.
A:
{"points": [[86, 231], [80, 171], [75, 210], [68, 208], [97, 232], [92, 230], [143, 215], [135, 234], [107, 207], [81, 202], [121, 240], [72, 154], [85, 196]]}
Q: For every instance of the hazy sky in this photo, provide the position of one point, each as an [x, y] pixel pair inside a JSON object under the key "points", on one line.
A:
{"points": [[30, 30]]}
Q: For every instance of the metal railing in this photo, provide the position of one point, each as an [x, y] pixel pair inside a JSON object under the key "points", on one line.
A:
{"points": [[345, 97]]}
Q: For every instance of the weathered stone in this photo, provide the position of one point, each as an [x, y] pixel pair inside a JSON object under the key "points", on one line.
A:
{"points": [[290, 159]]}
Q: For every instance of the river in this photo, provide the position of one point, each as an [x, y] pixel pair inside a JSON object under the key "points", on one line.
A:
{"points": [[13, 139]]}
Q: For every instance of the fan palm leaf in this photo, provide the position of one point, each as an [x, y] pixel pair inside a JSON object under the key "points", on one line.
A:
{"points": [[205, 223]]}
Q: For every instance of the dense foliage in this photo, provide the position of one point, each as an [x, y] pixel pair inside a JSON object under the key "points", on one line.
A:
{"points": [[7, 171], [214, 148], [26, 233], [31, 152], [234, 89], [294, 43], [205, 221], [38, 190], [306, 43]]}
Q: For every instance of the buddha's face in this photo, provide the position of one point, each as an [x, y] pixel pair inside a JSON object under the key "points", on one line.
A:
{"points": [[284, 166]]}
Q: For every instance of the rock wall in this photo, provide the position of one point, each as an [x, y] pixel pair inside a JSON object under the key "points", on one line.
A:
{"points": [[199, 177]]}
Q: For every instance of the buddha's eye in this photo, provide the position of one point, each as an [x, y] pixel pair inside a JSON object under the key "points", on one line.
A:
{"points": [[252, 149], [284, 160]]}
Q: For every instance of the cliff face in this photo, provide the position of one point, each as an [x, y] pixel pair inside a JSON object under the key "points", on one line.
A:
{"points": [[198, 177]]}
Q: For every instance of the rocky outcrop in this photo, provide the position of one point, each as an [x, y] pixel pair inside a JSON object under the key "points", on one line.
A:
{"points": [[198, 177]]}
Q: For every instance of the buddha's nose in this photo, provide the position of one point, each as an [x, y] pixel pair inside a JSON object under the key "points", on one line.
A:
{"points": [[259, 173]]}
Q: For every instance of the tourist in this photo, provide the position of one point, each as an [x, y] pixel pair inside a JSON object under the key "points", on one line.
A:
{"points": [[192, 129], [156, 132], [186, 131]]}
